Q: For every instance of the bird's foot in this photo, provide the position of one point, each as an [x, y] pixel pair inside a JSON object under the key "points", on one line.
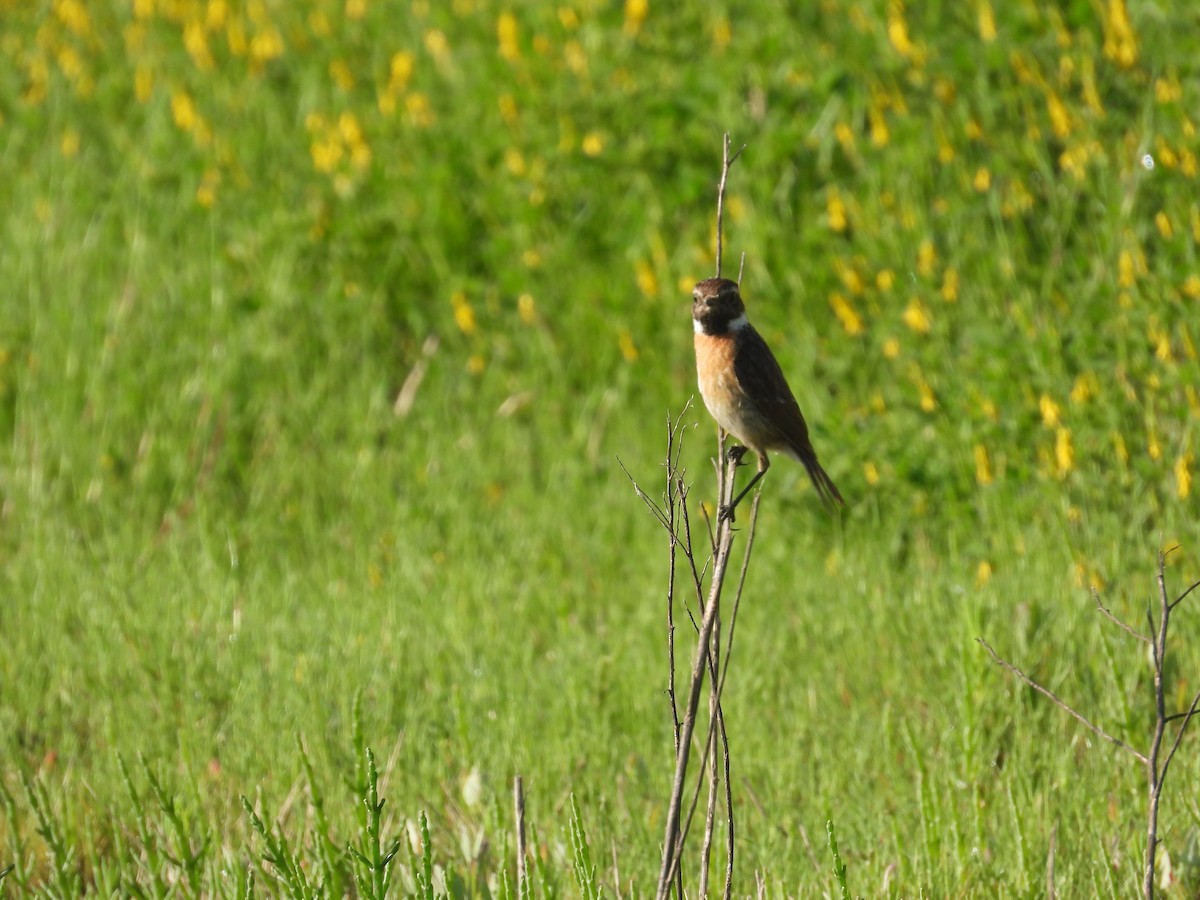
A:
{"points": [[735, 453], [725, 514]]}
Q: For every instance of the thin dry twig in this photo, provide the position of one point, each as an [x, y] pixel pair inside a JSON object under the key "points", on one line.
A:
{"points": [[1050, 891], [707, 656], [1183, 596], [1156, 771], [1108, 614], [407, 394], [671, 841], [1066, 707], [727, 162], [519, 813]]}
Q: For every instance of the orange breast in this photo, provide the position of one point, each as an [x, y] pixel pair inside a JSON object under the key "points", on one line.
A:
{"points": [[723, 395]]}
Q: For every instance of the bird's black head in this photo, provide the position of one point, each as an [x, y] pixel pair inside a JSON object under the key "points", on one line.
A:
{"points": [[717, 306]]}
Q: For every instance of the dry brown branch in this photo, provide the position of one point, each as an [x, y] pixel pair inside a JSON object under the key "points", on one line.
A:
{"points": [[519, 813], [1107, 613], [1066, 707], [1050, 891], [1155, 763], [412, 382], [727, 162], [673, 515]]}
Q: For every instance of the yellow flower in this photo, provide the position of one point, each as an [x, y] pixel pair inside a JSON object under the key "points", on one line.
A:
{"points": [[206, 193], [326, 154], [436, 44], [464, 316], [983, 466], [1060, 118], [1183, 475], [526, 309], [647, 281], [183, 111], [846, 314], [871, 473], [575, 57], [195, 41], [628, 348], [265, 46], [416, 106], [891, 348], [987, 22], [356, 9], [950, 285], [1120, 43], [1167, 90], [928, 400], [1125, 273], [1153, 447], [982, 180], [635, 14], [1086, 387], [850, 277], [476, 364], [1163, 222], [593, 144], [508, 108], [837, 211], [1119, 448], [1064, 452], [1191, 287], [143, 82], [70, 143], [926, 258], [879, 128], [74, 15], [400, 71], [1049, 410], [349, 129], [340, 72], [506, 36], [884, 279], [845, 136], [514, 161], [568, 18], [722, 33], [1161, 339], [983, 574], [916, 316], [974, 130], [235, 37], [897, 29]]}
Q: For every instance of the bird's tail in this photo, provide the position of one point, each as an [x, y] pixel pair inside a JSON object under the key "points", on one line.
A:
{"points": [[821, 481]]}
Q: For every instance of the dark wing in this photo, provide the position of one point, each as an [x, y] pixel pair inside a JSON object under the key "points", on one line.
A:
{"points": [[763, 382]]}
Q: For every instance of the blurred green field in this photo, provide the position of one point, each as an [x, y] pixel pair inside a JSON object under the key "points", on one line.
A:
{"points": [[323, 325]]}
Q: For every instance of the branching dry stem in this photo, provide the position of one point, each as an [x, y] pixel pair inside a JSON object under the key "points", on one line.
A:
{"points": [[1155, 763]]}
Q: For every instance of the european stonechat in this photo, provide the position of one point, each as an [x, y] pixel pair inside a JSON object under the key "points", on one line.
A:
{"points": [[744, 388]]}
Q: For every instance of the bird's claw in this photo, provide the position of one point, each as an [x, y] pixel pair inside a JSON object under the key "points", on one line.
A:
{"points": [[725, 514], [735, 453]]}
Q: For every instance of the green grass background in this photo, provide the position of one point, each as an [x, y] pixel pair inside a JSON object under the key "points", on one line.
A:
{"points": [[226, 231]]}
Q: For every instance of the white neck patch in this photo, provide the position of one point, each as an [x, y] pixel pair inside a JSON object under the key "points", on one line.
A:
{"points": [[734, 325]]}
